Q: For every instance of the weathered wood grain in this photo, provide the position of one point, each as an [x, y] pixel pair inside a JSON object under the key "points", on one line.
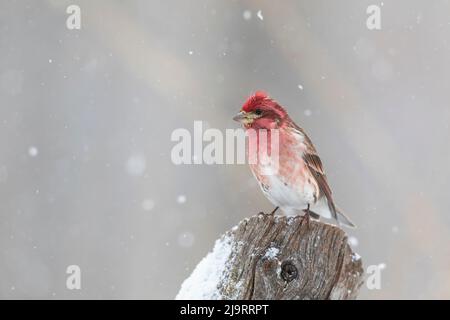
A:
{"points": [[277, 257]]}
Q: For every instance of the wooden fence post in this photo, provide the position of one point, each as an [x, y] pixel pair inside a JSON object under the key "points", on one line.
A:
{"points": [[277, 257]]}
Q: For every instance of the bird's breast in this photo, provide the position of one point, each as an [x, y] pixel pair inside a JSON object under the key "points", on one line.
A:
{"points": [[288, 183], [288, 186]]}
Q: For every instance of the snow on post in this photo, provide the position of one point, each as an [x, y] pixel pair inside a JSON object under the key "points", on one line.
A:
{"points": [[209, 273], [277, 257]]}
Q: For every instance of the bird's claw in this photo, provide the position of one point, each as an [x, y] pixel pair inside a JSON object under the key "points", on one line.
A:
{"points": [[306, 218], [271, 214]]}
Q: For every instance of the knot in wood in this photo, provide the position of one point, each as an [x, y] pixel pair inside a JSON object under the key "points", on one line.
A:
{"points": [[289, 271]]}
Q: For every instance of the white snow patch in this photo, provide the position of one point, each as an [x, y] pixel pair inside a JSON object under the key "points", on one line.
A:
{"points": [[202, 283], [272, 253], [355, 257]]}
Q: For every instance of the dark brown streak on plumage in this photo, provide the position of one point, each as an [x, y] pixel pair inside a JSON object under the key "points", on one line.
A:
{"points": [[315, 167]]}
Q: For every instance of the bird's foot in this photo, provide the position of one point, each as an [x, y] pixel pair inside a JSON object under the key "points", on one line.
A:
{"points": [[306, 218], [269, 214], [273, 211]]}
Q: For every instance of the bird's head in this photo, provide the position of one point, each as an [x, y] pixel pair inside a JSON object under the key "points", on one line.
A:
{"points": [[261, 112]]}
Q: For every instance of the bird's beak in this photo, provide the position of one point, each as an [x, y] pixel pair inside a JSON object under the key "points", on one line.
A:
{"points": [[245, 118], [241, 117]]}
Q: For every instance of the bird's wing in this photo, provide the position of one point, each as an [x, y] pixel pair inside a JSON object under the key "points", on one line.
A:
{"points": [[315, 167]]}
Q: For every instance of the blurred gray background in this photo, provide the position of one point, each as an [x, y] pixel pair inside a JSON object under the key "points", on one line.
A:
{"points": [[86, 117]]}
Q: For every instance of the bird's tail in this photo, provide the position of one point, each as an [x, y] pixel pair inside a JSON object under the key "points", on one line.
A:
{"points": [[343, 219]]}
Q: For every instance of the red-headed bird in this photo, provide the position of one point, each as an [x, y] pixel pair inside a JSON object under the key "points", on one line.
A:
{"points": [[299, 185]]}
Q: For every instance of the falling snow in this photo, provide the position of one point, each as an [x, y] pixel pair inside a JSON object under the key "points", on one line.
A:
{"points": [[186, 239], [353, 241], [135, 165], [148, 204], [247, 14], [181, 199], [260, 16], [33, 151], [85, 154], [307, 112]]}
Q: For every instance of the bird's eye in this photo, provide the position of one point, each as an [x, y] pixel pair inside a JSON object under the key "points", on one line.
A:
{"points": [[258, 112]]}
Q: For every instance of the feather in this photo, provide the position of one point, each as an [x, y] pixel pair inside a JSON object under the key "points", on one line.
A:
{"points": [[301, 182], [314, 164]]}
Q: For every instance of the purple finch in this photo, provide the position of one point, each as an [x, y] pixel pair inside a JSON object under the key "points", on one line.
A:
{"points": [[299, 185]]}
